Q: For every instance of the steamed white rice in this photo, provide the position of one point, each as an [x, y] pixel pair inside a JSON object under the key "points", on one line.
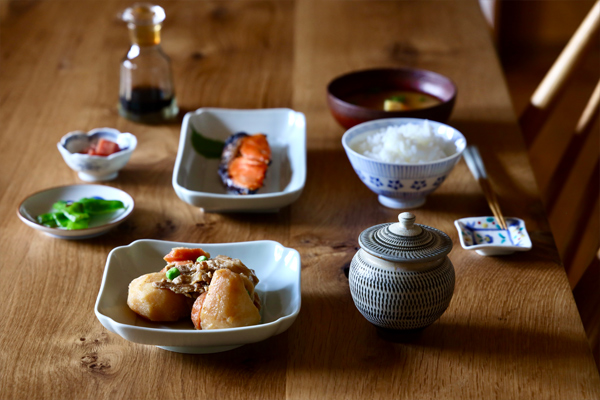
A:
{"points": [[410, 143]]}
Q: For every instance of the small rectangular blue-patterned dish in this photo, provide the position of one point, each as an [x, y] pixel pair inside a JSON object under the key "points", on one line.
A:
{"points": [[487, 238]]}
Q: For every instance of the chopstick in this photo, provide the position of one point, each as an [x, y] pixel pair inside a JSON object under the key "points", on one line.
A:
{"points": [[475, 164]]}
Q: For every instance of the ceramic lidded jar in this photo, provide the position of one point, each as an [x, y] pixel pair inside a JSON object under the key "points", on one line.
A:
{"points": [[401, 277]]}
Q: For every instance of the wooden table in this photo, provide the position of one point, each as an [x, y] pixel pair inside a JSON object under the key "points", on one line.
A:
{"points": [[512, 329]]}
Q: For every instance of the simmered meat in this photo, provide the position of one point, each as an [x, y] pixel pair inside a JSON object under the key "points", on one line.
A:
{"points": [[195, 277]]}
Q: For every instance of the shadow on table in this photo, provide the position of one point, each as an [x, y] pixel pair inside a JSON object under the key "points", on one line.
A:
{"points": [[502, 147], [237, 369], [499, 338]]}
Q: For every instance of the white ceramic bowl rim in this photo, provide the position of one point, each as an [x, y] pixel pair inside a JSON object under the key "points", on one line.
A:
{"points": [[401, 121]]}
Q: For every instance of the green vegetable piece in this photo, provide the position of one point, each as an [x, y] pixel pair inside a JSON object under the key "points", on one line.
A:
{"points": [[46, 220], [202, 258], [76, 212], [60, 205], [75, 217], [173, 273], [206, 147], [99, 206], [73, 225], [399, 99], [60, 219]]}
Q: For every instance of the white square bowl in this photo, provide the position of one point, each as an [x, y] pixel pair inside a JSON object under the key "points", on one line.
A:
{"points": [[277, 268], [195, 177]]}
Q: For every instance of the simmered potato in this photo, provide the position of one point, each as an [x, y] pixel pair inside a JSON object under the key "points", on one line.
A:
{"points": [[156, 304], [228, 304]]}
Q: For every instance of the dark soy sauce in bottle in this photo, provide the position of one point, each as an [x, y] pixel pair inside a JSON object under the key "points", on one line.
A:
{"points": [[145, 100]]}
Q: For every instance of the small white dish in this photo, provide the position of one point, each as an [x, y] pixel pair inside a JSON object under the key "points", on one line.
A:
{"points": [[195, 177], [277, 268], [41, 202], [487, 238], [96, 168]]}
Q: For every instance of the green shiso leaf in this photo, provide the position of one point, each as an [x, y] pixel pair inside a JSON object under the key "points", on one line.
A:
{"points": [[206, 147]]}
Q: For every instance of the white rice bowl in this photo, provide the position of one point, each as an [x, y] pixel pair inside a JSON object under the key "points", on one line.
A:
{"points": [[404, 144]]}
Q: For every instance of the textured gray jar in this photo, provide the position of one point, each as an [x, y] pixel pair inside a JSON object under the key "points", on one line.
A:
{"points": [[401, 278]]}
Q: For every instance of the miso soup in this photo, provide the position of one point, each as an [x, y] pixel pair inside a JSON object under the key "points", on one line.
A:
{"points": [[396, 99]]}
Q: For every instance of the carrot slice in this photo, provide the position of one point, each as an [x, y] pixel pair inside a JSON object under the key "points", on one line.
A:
{"points": [[185, 254]]}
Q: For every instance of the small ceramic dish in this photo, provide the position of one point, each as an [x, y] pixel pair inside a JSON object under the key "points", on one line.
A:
{"points": [[487, 238], [277, 268], [402, 185], [195, 177], [41, 202], [343, 91], [96, 168]]}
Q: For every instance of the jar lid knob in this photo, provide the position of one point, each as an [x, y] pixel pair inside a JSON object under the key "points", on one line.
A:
{"points": [[407, 219], [406, 225]]}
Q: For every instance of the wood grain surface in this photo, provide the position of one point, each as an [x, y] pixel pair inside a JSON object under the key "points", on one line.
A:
{"points": [[512, 330]]}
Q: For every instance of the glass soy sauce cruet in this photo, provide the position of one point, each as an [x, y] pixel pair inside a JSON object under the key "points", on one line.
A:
{"points": [[146, 87]]}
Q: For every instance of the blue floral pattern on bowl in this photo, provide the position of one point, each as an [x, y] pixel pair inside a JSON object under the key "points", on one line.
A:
{"points": [[407, 185], [375, 181], [439, 181], [486, 237], [395, 184], [418, 185]]}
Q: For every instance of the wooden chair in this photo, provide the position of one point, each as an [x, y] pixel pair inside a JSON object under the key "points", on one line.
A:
{"points": [[571, 192], [541, 105], [491, 13]]}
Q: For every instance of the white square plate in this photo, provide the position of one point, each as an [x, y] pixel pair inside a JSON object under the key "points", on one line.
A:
{"points": [[195, 177], [277, 268]]}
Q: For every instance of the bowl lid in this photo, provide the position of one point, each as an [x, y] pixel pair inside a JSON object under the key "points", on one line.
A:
{"points": [[405, 241]]}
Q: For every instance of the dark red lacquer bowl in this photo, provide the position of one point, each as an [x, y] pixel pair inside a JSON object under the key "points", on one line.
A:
{"points": [[418, 80]]}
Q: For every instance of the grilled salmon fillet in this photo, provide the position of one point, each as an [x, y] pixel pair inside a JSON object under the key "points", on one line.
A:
{"points": [[244, 162]]}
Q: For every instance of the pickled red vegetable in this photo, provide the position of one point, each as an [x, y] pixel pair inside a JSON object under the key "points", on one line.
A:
{"points": [[106, 147], [102, 148]]}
